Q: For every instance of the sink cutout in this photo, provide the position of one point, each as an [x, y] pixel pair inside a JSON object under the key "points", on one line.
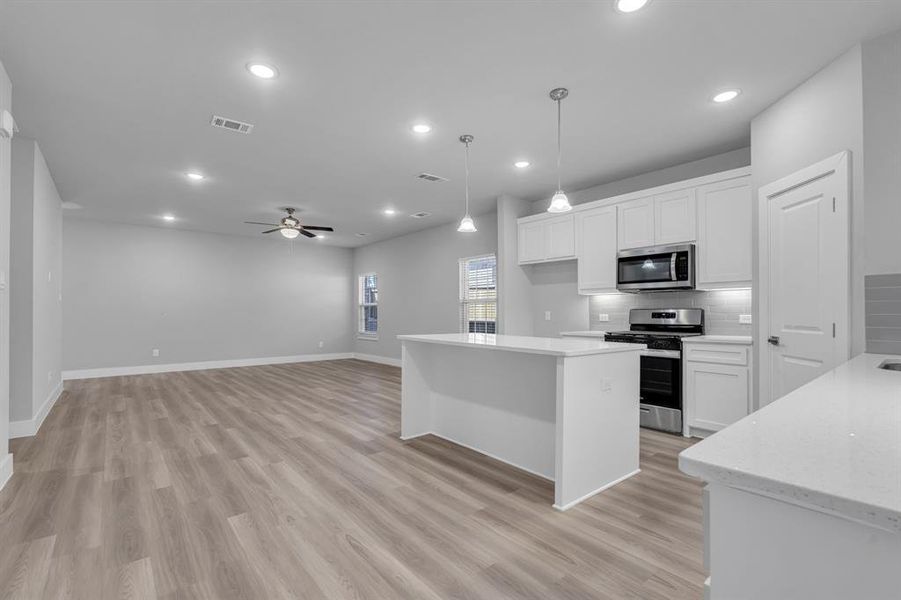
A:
{"points": [[890, 365]]}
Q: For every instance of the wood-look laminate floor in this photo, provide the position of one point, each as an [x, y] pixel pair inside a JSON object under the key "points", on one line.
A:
{"points": [[289, 481]]}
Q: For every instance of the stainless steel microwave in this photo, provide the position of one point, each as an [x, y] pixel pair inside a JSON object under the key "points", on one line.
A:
{"points": [[657, 268]]}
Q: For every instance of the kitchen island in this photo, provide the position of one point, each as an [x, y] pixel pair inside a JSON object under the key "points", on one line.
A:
{"points": [[804, 496], [563, 409]]}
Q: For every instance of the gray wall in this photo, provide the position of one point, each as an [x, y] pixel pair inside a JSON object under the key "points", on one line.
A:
{"points": [[5, 192], [36, 265], [418, 279], [514, 314], [198, 296], [721, 309], [698, 168], [821, 117]]}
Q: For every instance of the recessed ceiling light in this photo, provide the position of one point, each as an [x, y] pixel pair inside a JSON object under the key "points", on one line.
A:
{"points": [[361, 234], [628, 6], [521, 164], [193, 176], [168, 217], [390, 212], [726, 96], [422, 128], [262, 70]]}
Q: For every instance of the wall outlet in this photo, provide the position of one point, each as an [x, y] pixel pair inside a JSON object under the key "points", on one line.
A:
{"points": [[744, 319], [606, 384], [547, 315], [155, 352], [604, 318], [321, 344], [49, 376]]}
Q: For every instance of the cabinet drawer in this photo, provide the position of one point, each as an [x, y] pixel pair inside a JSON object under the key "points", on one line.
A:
{"points": [[723, 354]]}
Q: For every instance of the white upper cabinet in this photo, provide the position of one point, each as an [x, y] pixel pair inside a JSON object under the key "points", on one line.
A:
{"points": [[675, 215], [636, 223], [545, 239], [724, 234], [596, 249]]}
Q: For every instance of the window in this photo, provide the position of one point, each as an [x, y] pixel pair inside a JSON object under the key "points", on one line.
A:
{"points": [[478, 294], [368, 299]]}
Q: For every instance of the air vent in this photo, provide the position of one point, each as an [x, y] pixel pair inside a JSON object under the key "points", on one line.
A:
{"points": [[421, 215], [230, 124], [430, 177]]}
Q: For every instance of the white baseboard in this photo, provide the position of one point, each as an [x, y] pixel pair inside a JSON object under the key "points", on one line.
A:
{"points": [[383, 360], [569, 505], [200, 366], [29, 427], [6, 469]]}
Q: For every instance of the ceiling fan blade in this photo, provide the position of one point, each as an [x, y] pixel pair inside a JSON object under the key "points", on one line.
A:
{"points": [[307, 233], [258, 223], [273, 230], [316, 228]]}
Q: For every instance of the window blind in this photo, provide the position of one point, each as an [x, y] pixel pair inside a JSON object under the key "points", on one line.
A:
{"points": [[478, 294], [369, 304]]}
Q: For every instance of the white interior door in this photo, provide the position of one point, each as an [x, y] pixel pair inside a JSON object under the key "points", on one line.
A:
{"points": [[808, 280]]}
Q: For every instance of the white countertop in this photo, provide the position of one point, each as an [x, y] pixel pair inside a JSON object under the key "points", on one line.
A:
{"points": [[832, 445], [719, 339], [528, 345], [591, 334]]}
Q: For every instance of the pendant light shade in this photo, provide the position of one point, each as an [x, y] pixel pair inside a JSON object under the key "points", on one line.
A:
{"points": [[466, 223], [559, 202]]}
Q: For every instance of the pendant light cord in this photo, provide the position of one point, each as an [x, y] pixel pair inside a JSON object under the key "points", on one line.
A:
{"points": [[559, 150], [466, 163]]}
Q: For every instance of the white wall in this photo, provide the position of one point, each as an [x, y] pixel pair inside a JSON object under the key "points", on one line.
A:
{"points": [[35, 284], [198, 296], [821, 117], [882, 152], [418, 279], [514, 315], [5, 190]]}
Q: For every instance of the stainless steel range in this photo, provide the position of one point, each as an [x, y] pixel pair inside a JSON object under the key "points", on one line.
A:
{"points": [[662, 329]]}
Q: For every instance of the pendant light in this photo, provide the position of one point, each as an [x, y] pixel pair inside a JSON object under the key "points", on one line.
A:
{"points": [[466, 223], [559, 202]]}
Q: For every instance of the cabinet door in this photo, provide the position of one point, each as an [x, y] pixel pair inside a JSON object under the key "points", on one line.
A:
{"points": [[635, 223], [560, 237], [675, 217], [719, 394], [724, 234], [530, 245], [596, 250]]}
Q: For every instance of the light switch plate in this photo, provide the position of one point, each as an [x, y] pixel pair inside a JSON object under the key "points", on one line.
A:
{"points": [[547, 315], [744, 319], [155, 352], [604, 317]]}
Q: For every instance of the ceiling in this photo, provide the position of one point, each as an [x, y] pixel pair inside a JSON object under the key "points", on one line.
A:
{"points": [[119, 96]]}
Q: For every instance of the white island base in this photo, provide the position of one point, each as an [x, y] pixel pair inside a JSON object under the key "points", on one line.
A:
{"points": [[566, 410]]}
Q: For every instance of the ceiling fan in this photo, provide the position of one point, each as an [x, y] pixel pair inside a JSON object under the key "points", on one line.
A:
{"points": [[290, 226]]}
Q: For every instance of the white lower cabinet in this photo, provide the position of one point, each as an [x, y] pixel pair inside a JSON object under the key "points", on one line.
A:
{"points": [[716, 386]]}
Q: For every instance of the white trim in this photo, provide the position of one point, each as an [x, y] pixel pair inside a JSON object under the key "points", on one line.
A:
{"points": [[660, 189], [383, 360], [200, 366], [6, 469], [369, 337], [569, 505], [30, 427], [837, 164]]}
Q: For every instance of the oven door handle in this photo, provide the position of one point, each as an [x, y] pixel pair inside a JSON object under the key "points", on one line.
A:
{"points": [[662, 353]]}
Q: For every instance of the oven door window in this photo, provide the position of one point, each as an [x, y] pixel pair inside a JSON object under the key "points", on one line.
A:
{"points": [[661, 382], [646, 269]]}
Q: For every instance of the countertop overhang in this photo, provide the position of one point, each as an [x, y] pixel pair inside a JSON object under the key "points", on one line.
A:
{"points": [[565, 347], [833, 445]]}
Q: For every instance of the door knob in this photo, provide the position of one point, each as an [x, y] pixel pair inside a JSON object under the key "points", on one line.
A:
{"points": [[773, 339]]}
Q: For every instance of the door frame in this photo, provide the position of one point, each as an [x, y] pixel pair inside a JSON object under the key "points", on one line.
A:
{"points": [[836, 164]]}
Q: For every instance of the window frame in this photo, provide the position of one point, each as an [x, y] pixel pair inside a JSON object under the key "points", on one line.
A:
{"points": [[362, 306], [464, 301]]}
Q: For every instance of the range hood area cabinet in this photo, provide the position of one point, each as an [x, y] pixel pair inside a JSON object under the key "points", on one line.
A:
{"points": [[546, 238], [713, 212]]}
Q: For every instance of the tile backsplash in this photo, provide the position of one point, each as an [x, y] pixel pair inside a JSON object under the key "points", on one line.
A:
{"points": [[721, 309], [883, 309]]}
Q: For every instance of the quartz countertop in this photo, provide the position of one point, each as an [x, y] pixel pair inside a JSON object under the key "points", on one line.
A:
{"points": [[833, 445], [526, 344], [719, 339]]}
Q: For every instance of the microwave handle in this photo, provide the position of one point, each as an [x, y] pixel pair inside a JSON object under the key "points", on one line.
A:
{"points": [[672, 266]]}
